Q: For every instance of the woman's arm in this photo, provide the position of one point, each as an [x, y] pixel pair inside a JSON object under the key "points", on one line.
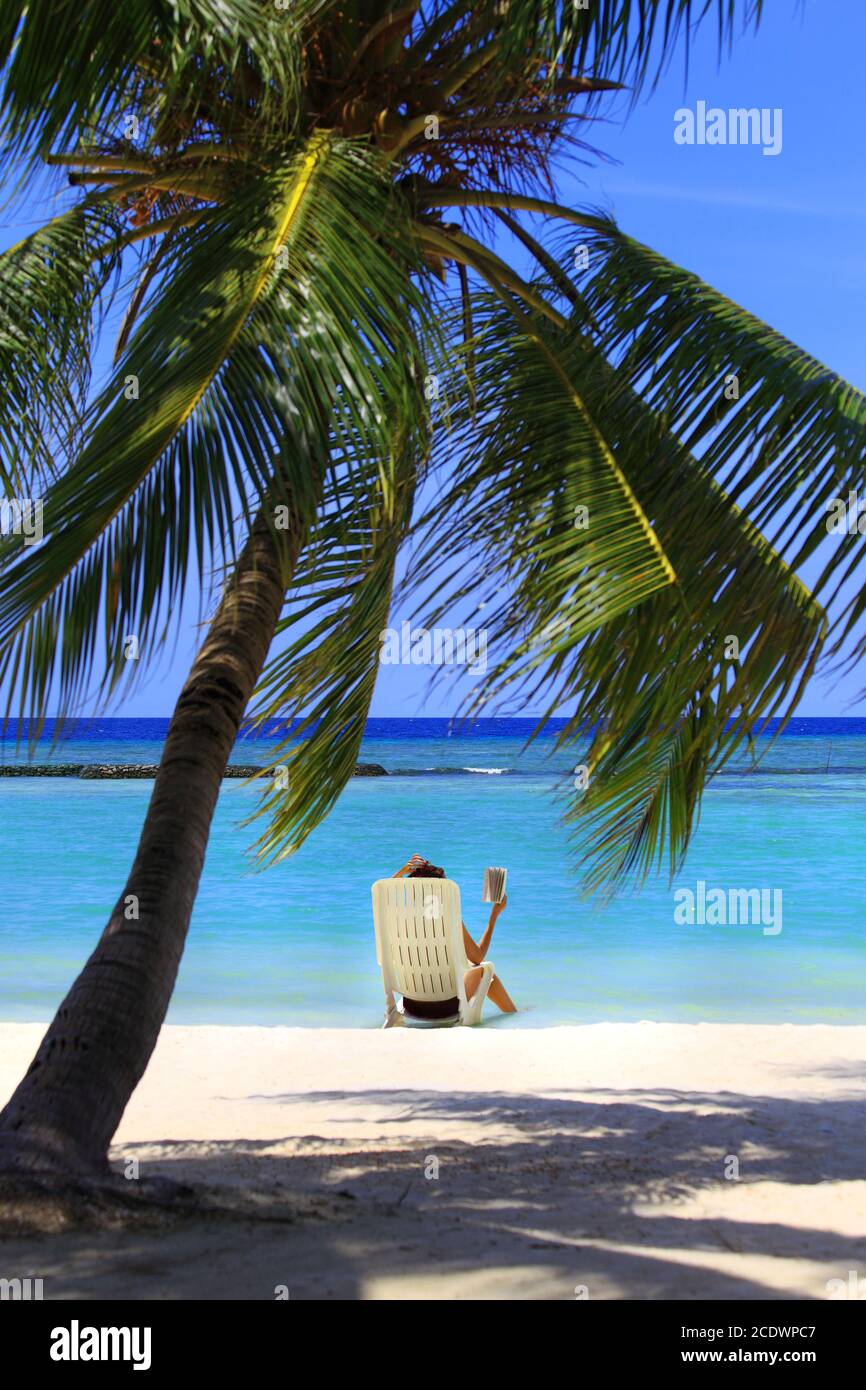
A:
{"points": [[478, 954]]}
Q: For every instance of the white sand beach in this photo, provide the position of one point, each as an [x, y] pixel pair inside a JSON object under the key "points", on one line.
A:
{"points": [[491, 1163]]}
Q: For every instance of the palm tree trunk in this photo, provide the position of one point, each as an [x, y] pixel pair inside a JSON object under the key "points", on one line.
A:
{"points": [[66, 1109]]}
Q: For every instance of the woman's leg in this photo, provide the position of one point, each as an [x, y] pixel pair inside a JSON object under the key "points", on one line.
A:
{"points": [[497, 991], [500, 996]]}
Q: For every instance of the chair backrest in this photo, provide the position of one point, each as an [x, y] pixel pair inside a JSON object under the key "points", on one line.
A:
{"points": [[419, 936]]}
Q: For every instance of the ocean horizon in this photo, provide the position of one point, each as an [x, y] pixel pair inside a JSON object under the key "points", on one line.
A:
{"points": [[293, 944]]}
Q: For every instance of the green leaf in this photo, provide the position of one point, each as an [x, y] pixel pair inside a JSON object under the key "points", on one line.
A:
{"points": [[72, 68], [666, 701], [49, 314], [780, 432], [322, 683], [657, 707], [540, 522], [253, 379]]}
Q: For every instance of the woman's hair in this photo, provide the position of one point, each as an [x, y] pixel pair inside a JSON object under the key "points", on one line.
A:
{"points": [[427, 870]]}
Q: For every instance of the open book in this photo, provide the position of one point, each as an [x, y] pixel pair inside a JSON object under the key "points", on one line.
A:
{"points": [[494, 885]]}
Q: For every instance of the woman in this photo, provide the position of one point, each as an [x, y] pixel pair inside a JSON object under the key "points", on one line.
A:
{"points": [[446, 1008]]}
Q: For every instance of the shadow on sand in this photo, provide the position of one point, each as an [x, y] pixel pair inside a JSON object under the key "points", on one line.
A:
{"points": [[623, 1193]]}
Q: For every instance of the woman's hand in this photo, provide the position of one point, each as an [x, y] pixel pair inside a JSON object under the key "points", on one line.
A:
{"points": [[499, 908], [411, 864]]}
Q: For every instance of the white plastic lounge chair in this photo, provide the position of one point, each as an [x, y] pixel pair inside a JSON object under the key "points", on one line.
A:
{"points": [[419, 946]]}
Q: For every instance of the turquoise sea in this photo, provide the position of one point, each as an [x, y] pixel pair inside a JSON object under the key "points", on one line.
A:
{"points": [[294, 944]]}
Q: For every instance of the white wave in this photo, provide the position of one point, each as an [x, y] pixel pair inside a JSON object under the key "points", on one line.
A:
{"points": [[491, 771]]}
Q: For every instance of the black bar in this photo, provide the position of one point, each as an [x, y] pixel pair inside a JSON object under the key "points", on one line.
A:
{"points": [[245, 1338]]}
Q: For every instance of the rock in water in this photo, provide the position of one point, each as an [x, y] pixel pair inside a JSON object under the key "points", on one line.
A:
{"points": [[119, 771]]}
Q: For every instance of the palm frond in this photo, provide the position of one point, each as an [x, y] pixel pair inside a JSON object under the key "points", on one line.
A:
{"points": [[653, 689], [49, 316], [781, 433], [531, 460], [624, 41], [672, 690], [251, 377], [633, 41], [71, 69], [320, 686]]}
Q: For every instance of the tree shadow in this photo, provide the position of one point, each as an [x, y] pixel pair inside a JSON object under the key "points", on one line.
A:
{"points": [[622, 1194]]}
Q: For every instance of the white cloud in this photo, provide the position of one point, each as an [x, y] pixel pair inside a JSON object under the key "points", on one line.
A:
{"points": [[731, 197]]}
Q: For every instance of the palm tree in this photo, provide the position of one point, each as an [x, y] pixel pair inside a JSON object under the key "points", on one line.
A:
{"points": [[294, 182]]}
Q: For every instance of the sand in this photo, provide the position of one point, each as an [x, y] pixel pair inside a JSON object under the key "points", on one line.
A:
{"points": [[609, 1161]]}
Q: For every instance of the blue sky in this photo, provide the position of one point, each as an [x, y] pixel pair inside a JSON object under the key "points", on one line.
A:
{"points": [[781, 235]]}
